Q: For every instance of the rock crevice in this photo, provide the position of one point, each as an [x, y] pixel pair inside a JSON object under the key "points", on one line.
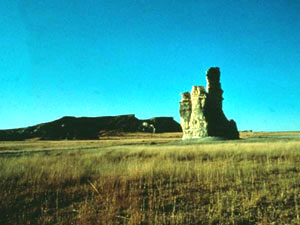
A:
{"points": [[201, 111]]}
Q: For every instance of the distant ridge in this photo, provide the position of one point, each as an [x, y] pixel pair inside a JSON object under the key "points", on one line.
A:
{"points": [[85, 128]]}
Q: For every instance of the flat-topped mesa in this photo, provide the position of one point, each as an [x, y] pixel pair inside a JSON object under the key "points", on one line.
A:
{"points": [[201, 111]]}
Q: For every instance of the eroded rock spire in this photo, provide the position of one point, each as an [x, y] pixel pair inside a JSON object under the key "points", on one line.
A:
{"points": [[201, 111]]}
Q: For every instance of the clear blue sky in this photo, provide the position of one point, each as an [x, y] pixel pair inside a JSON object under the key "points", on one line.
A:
{"points": [[112, 57]]}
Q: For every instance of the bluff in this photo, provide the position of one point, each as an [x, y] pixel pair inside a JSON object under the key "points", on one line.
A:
{"points": [[201, 111], [85, 128]]}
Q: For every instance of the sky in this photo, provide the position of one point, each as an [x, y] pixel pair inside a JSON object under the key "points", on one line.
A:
{"points": [[113, 57]]}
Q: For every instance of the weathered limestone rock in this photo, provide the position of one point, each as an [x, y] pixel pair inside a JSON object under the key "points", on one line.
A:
{"points": [[201, 112]]}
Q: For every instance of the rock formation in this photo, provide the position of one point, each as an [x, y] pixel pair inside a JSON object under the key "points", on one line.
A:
{"points": [[201, 111], [85, 128]]}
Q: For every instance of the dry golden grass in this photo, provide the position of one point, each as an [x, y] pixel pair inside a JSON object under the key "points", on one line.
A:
{"points": [[248, 134], [148, 181]]}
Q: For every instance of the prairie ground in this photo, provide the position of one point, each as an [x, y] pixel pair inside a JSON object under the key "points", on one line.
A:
{"points": [[152, 179]]}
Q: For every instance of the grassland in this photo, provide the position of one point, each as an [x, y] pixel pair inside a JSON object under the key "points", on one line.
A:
{"points": [[152, 179]]}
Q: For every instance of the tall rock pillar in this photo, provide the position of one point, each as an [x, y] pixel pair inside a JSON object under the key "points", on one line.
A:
{"points": [[193, 120], [214, 90], [201, 111]]}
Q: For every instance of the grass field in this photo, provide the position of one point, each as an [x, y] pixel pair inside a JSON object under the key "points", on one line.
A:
{"points": [[152, 179]]}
